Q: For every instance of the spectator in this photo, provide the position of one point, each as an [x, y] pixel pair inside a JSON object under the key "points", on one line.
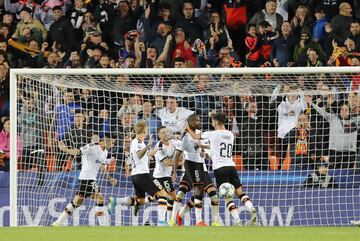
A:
{"points": [[288, 113], [301, 50], [355, 35], [152, 121], [31, 126], [253, 46], [182, 48], [268, 14], [124, 21], [341, 23], [172, 116], [192, 26], [77, 18], [343, 135], [301, 21], [319, 26], [313, 59], [4, 91], [28, 24], [5, 146], [65, 113], [283, 47], [301, 140], [251, 137], [61, 31]]}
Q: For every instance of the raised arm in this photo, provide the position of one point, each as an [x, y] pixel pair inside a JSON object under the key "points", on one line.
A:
{"points": [[140, 154], [321, 111]]}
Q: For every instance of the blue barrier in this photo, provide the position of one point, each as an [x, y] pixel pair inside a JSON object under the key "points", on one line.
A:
{"points": [[278, 204]]}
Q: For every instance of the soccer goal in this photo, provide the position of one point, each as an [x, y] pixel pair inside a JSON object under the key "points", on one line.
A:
{"points": [[295, 150]]}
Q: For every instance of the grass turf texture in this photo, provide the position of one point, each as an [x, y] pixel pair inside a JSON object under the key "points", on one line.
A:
{"points": [[180, 233]]}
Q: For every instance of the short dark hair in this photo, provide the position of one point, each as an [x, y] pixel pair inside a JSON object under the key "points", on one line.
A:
{"points": [[250, 25], [219, 117], [264, 24], [159, 129], [192, 117], [179, 59]]}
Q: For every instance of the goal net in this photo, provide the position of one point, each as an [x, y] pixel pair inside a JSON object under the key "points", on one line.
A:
{"points": [[296, 138]]}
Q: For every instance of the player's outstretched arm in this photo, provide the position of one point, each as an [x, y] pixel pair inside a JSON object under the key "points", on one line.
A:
{"points": [[112, 180]]}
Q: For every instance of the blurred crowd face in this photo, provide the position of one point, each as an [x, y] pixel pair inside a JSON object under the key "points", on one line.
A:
{"points": [[171, 105], [203, 82], [25, 16], [104, 61], [179, 64], [123, 8], [78, 4], [29, 103], [96, 53], [151, 53], [68, 97], [162, 30], [286, 28], [313, 56], [224, 52], [188, 10], [33, 44], [3, 71], [344, 112], [215, 18], [179, 36], [8, 18], [159, 102], [355, 62], [147, 108], [6, 126], [225, 62], [79, 119], [345, 9], [165, 14], [104, 114], [303, 121], [270, 7], [57, 14], [53, 59], [252, 108], [355, 28], [302, 12]]}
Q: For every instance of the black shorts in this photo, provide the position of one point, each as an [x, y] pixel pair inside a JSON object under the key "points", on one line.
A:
{"points": [[195, 171], [145, 183], [227, 174], [208, 182], [167, 184], [87, 188], [185, 180]]}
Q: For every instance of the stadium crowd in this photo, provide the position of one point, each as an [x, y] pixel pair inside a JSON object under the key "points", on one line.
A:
{"points": [[180, 34]]}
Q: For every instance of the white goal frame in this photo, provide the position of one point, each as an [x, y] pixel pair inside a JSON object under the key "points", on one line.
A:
{"points": [[157, 71]]}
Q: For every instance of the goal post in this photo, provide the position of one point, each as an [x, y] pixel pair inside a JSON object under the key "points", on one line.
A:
{"points": [[284, 192]]}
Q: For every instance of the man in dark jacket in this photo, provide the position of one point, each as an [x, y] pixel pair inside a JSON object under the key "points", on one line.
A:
{"points": [[61, 31], [192, 27], [341, 23]]}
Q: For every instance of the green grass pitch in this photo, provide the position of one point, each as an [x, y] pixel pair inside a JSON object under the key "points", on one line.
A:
{"points": [[180, 234]]}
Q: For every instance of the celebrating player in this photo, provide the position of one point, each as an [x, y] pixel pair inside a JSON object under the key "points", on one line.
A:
{"points": [[221, 145], [164, 158], [93, 156], [142, 180], [194, 176]]}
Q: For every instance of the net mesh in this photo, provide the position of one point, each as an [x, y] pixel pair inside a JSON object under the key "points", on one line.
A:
{"points": [[295, 148]]}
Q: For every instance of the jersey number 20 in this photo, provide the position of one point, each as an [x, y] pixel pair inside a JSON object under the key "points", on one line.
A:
{"points": [[226, 150]]}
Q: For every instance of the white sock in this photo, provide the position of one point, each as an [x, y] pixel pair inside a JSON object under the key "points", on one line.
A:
{"points": [[233, 210], [170, 208], [175, 209], [247, 202], [198, 210], [161, 209], [127, 201], [184, 210], [102, 216], [66, 213], [215, 208]]}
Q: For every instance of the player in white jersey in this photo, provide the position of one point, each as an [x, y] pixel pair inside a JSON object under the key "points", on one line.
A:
{"points": [[194, 175], [142, 180], [221, 146], [93, 158], [164, 158], [174, 117]]}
